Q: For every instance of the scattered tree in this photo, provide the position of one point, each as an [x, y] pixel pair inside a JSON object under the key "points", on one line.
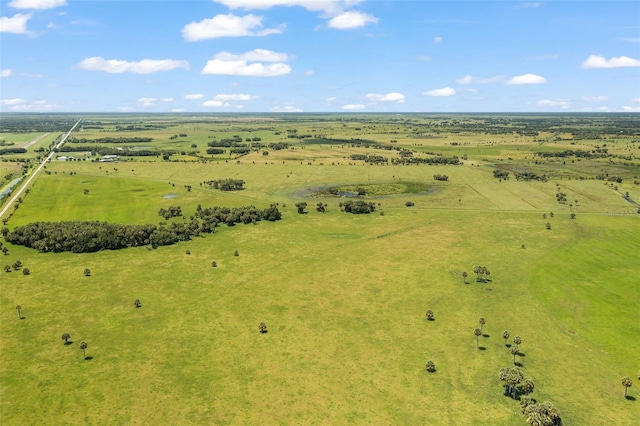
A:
{"points": [[430, 366], [430, 315], [464, 277], [528, 386], [137, 303], [66, 337], [301, 206], [505, 336], [7, 268], [482, 322], [87, 272], [26, 271], [214, 264], [83, 346], [478, 333], [626, 382], [517, 340], [514, 352], [236, 253], [262, 327], [19, 309]]}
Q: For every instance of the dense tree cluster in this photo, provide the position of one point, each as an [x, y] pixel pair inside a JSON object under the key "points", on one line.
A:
{"points": [[4, 151], [370, 158], [501, 174], [213, 151], [110, 140], [404, 161], [226, 184], [528, 176], [441, 177], [85, 237], [277, 146], [170, 212], [596, 153], [358, 207]]}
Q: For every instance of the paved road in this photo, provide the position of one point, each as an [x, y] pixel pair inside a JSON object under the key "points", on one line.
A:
{"points": [[26, 183]]}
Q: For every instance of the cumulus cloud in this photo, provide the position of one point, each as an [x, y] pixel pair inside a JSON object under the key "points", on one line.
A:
{"points": [[14, 101], [233, 97], [353, 107], [350, 20], [562, 103], [17, 24], [445, 91], [389, 97], [6, 73], [631, 109], [145, 66], [213, 103], [248, 64], [327, 6], [227, 26], [193, 96], [635, 100], [288, 108], [597, 61], [526, 79], [37, 4], [147, 102], [469, 79], [437, 40]]}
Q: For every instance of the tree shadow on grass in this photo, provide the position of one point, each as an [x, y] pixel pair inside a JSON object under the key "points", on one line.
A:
{"points": [[482, 348], [518, 364], [68, 342], [486, 335], [630, 398], [88, 358], [522, 354]]}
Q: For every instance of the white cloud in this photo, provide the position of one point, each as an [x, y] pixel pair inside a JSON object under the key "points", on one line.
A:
{"points": [[147, 102], [437, 40], [248, 64], [631, 109], [167, 99], [350, 20], [125, 109], [309, 73], [595, 98], [14, 25], [469, 79], [526, 79], [389, 97], [37, 4], [635, 100], [597, 61], [331, 99], [226, 26], [193, 96], [6, 73], [562, 103], [145, 66], [288, 108], [353, 107], [177, 110], [445, 91], [328, 6], [215, 104], [14, 101], [234, 97]]}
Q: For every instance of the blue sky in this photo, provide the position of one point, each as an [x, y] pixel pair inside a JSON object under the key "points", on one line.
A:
{"points": [[319, 56]]}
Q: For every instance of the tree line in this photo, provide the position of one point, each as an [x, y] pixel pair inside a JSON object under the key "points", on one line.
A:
{"points": [[92, 236]]}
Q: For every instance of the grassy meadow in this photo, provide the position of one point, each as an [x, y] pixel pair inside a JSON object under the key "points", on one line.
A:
{"points": [[343, 296]]}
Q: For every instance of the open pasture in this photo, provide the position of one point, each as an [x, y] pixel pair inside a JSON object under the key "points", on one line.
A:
{"points": [[343, 296]]}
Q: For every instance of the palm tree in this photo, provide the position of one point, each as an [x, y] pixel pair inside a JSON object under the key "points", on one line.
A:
{"points": [[430, 315], [430, 366], [19, 308], [481, 321], [66, 337], [464, 277], [528, 386], [478, 333], [517, 340], [626, 382], [137, 303], [514, 352], [83, 346], [263, 327], [505, 336]]}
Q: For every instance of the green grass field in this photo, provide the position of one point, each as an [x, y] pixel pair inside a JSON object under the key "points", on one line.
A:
{"points": [[343, 296]]}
